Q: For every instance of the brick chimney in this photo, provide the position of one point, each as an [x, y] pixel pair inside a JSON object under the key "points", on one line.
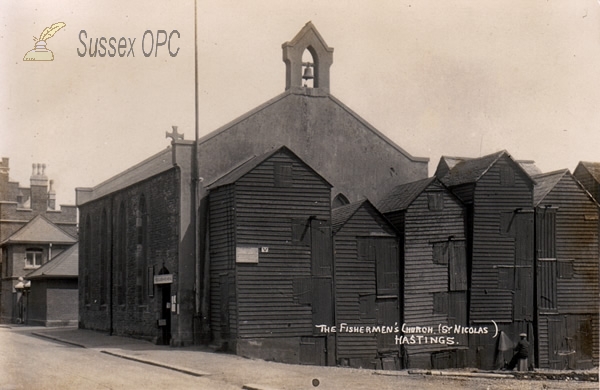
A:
{"points": [[51, 197], [39, 188], [4, 196]]}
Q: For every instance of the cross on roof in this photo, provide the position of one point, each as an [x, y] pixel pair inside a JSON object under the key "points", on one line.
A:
{"points": [[174, 135]]}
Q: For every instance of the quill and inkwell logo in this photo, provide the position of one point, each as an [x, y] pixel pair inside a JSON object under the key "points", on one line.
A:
{"points": [[40, 52]]}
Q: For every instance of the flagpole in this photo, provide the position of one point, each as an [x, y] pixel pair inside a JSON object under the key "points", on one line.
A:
{"points": [[195, 171]]}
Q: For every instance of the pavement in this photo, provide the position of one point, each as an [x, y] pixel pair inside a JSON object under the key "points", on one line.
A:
{"points": [[202, 361]]}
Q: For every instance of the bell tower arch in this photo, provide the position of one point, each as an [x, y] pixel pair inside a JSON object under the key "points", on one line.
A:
{"points": [[298, 72]]}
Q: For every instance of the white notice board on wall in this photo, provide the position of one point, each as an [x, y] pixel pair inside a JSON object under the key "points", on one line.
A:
{"points": [[246, 255]]}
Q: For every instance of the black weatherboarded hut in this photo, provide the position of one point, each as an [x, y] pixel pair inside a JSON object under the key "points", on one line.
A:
{"points": [[367, 288], [431, 222], [567, 272], [271, 267], [498, 194]]}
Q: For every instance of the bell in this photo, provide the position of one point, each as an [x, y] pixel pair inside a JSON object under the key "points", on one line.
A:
{"points": [[308, 73]]}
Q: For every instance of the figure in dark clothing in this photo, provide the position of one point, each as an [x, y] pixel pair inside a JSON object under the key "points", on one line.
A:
{"points": [[521, 352]]}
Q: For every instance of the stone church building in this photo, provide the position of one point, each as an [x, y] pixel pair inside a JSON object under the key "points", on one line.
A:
{"points": [[145, 234]]}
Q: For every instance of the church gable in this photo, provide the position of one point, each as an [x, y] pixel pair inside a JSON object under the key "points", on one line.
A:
{"points": [[356, 158]]}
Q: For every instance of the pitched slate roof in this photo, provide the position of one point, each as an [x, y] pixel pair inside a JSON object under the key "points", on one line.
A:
{"points": [[40, 230], [153, 165], [530, 167], [65, 265], [341, 215], [403, 195], [593, 168], [471, 170], [545, 183], [239, 171], [452, 161]]}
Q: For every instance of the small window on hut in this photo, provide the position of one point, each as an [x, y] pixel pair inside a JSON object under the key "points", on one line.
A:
{"points": [[506, 278], [507, 176], [440, 303], [565, 269], [300, 231], [507, 220], [436, 201], [367, 307], [457, 268], [440, 252], [283, 175]]}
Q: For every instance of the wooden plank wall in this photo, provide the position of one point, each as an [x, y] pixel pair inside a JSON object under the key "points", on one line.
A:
{"points": [[543, 341], [494, 251], [356, 282], [222, 253], [422, 278], [266, 304], [576, 242], [464, 192]]}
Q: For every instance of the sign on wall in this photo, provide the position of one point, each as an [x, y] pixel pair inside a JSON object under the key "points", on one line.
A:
{"points": [[163, 279], [246, 255]]}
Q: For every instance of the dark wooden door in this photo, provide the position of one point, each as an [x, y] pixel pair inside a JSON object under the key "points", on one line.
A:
{"points": [[313, 351], [321, 248], [385, 251], [523, 272], [386, 259], [388, 314], [580, 329], [165, 320], [570, 342], [322, 303], [457, 313]]}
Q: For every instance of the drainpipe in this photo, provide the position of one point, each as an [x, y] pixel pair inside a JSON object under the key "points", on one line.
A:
{"points": [[110, 267]]}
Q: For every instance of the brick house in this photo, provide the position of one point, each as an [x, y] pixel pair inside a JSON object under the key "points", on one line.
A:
{"points": [[32, 232], [53, 296]]}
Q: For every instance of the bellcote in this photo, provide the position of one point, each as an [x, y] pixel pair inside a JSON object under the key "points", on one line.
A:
{"points": [[307, 55]]}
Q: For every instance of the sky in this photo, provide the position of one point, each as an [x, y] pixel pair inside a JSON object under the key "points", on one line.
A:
{"points": [[457, 78]]}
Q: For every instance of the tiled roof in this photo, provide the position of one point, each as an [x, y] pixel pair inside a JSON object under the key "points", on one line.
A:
{"points": [[40, 230], [403, 195], [66, 264], [545, 183]]}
